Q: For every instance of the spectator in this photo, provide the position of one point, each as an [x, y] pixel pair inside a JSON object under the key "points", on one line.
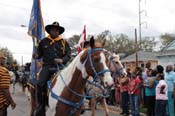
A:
{"points": [[170, 80], [161, 96], [124, 95], [134, 93], [117, 90], [150, 85], [159, 69], [128, 70], [5, 96], [143, 97]]}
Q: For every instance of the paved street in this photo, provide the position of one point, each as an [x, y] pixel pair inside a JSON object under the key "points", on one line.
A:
{"points": [[23, 106]]}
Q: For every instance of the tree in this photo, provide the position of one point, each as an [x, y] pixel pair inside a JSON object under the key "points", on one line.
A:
{"points": [[148, 44], [121, 43], [8, 54], [104, 35], [73, 40], [166, 39]]}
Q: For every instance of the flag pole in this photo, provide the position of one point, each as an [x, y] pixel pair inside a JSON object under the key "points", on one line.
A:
{"points": [[35, 45], [37, 32]]}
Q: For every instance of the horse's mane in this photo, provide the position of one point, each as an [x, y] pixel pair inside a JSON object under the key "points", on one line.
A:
{"points": [[72, 66], [65, 75]]}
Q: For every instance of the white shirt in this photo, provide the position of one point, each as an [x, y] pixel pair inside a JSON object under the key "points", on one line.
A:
{"points": [[160, 96]]}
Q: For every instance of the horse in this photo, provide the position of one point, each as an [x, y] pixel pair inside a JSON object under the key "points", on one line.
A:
{"points": [[116, 67], [66, 96], [12, 80]]}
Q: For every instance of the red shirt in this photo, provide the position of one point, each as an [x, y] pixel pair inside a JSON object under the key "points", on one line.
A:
{"points": [[132, 84]]}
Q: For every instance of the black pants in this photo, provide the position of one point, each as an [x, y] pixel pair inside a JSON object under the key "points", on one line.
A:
{"points": [[44, 76], [150, 104], [3, 111], [125, 101], [160, 107]]}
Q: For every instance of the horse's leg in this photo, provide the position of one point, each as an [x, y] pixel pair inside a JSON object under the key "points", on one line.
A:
{"points": [[33, 101], [104, 104], [28, 93], [13, 87], [92, 106]]}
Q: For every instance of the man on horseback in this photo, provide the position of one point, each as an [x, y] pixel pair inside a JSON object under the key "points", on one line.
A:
{"points": [[54, 51]]}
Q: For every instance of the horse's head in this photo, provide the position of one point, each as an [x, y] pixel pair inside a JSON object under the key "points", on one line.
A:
{"points": [[95, 63], [115, 65]]}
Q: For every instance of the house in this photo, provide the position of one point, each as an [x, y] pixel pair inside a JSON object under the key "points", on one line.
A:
{"points": [[143, 58], [167, 55]]}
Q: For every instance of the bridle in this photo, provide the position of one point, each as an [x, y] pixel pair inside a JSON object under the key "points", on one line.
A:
{"points": [[96, 74], [117, 70]]}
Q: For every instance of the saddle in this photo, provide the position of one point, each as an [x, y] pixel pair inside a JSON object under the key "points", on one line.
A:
{"points": [[32, 82]]}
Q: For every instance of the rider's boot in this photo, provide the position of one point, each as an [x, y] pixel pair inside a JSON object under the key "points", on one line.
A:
{"points": [[40, 110]]}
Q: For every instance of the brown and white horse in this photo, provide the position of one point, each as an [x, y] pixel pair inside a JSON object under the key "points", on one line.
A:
{"points": [[115, 67], [67, 96]]}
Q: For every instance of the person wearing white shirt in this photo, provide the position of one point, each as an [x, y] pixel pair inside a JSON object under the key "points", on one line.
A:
{"points": [[161, 96]]}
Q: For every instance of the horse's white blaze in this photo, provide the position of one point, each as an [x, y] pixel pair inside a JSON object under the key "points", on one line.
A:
{"points": [[82, 68], [107, 75], [117, 59]]}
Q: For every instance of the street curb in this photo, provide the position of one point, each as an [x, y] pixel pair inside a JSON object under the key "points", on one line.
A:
{"points": [[113, 109]]}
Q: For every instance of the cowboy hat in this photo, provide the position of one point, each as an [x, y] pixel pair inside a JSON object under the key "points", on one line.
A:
{"points": [[54, 24], [2, 55]]}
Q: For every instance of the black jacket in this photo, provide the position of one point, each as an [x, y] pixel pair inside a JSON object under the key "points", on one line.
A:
{"points": [[57, 50]]}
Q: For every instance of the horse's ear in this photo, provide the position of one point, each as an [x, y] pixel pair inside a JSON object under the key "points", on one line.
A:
{"points": [[103, 44], [92, 42]]}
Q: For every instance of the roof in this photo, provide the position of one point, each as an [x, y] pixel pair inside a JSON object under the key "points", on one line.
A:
{"points": [[166, 53], [170, 46], [142, 56], [169, 50]]}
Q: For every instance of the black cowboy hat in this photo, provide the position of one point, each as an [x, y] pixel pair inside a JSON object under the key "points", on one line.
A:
{"points": [[54, 24]]}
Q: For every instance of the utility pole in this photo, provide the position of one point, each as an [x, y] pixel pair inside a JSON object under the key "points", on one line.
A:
{"points": [[22, 62], [136, 47], [140, 23]]}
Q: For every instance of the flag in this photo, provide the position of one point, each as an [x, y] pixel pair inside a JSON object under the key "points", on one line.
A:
{"points": [[82, 40], [36, 30], [36, 25]]}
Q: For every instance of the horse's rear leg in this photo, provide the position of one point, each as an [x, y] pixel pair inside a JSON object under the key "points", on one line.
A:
{"points": [[105, 106]]}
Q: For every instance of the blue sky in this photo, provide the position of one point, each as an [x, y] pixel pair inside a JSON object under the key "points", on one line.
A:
{"points": [[118, 16]]}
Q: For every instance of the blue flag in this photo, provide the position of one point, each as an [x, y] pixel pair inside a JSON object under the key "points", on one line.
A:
{"points": [[36, 30], [36, 26]]}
